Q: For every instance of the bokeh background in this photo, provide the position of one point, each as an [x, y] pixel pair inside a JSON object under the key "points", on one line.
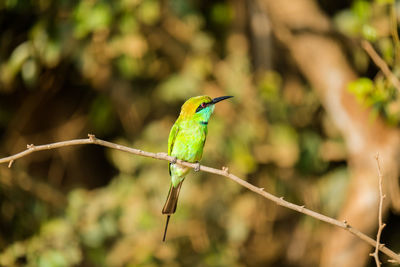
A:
{"points": [[310, 112]]}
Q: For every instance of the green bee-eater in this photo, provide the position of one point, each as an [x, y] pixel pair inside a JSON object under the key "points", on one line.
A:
{"points": [[186, 141]]}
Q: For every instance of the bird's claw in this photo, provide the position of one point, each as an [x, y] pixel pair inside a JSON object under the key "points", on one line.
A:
{"points": [[197, 167], [174, 159]]}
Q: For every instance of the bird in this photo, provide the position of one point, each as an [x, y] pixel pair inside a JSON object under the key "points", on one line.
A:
{"points": [[186, 142]]}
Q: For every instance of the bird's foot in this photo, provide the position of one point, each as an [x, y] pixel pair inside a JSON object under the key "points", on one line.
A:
{"points": [[197, 167], [174, 160]]}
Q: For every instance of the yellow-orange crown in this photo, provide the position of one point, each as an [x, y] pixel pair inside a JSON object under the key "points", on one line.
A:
{"points": [[189, 107]]}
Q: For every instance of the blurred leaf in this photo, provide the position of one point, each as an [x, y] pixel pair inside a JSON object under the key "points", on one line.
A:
{"points": [[361, 88], [15, 62], [242, 158], [128, 66], [179, 86], [347, 22], [361, 59], [387, 50], [362, 9], [269, 85], [128, 24], [284, 145], [149, 11], [384, 1], [52, 258], [52, 54], [182, 7], [29, 72], [377, 95], [354, 21], [369, 32], [102, 116], [310, 159], [202, 43], [124, 162], [11, 3], [222, 13], [332, 187], [91, 17]]}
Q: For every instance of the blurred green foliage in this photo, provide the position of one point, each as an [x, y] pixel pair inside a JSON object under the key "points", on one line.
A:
{"points": [[120, 69], [357, 20], [374, 21]]}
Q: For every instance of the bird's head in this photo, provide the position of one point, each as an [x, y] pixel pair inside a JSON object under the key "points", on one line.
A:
{"points": [[200, 107]]}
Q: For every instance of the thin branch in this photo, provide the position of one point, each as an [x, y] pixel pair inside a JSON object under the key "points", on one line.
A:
{"points": [[223, 172], [381, 224], [381, 64]]}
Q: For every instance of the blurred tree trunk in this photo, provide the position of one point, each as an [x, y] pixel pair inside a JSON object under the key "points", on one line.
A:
{"points": [[260, 34], [304, 30]]}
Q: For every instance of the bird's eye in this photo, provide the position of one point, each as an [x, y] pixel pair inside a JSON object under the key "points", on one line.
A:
{"points": [[201, 106]]}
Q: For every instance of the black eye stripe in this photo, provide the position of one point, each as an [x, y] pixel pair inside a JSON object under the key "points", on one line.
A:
{"points": [[201, 106]]}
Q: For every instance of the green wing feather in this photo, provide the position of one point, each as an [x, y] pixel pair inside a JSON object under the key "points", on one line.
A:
{"points": [[171, 141]]}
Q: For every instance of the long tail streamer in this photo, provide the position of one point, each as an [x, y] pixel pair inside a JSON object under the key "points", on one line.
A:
{"points": [[166, 227]]}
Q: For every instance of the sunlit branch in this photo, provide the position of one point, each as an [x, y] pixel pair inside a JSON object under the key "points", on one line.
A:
{"points": [[381, 64], [380, 223], [223, 172]]}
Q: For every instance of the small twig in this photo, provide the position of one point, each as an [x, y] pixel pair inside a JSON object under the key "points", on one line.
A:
{"points": [[381, 224], [381, 64], [223, 172]]}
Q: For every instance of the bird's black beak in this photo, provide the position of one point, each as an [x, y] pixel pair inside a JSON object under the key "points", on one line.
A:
{"points": [[218, 99]]}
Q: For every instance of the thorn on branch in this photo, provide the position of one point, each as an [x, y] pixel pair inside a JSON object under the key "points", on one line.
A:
{"points": [[261, 188], [10, 163], [92, 137], [197, 167], [225, 170]]}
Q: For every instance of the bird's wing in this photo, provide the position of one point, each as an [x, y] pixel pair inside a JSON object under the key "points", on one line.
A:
{"points": [[171, 141]]}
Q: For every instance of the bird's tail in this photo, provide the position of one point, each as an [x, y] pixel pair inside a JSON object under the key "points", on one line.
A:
{"points": [[172, 199], [170, 204]]}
